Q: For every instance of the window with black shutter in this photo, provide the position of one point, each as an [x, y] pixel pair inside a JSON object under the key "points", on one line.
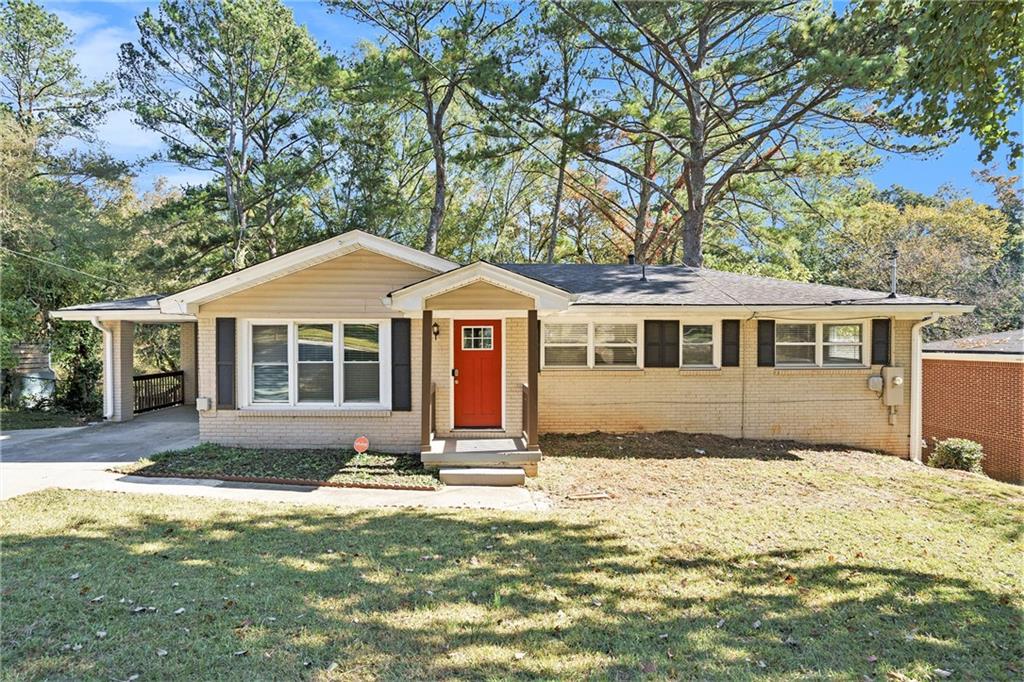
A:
{"points": [[661, 343]]}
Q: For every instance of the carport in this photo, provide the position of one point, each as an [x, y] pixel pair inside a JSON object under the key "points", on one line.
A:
{"points": [[125, 394]]}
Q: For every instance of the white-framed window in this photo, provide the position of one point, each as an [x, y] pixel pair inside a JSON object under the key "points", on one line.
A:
{"points": [[566, 344], [795, 343], [820, 344], [698, 345], [842, 344], [317, 363], [615, 344], [478, 338], [590, 344]]}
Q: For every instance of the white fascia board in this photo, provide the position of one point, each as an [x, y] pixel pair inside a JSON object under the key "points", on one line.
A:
{"points": [[189, 300], [546, 297], [152, 316], [973, 357], [769, 312]]}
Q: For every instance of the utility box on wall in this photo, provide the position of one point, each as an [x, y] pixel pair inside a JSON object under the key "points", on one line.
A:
{"points": [[892, 389]]}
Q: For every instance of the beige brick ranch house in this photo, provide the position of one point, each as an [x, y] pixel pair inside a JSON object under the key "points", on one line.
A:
{"points": [[358, 335]]}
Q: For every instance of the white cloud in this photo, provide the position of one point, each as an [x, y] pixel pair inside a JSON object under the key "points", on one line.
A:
{"points": [[122, 136], [96, 53], [79, 22]]}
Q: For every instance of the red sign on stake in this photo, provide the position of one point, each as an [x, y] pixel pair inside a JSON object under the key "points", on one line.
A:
{"points": [[361, 445]]}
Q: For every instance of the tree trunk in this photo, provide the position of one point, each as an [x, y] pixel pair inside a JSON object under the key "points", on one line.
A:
{"points": [[440, 186], [557, 209], [693, 237]]}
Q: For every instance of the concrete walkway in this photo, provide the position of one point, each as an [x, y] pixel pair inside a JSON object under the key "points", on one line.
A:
{"points": [[79, 458]]}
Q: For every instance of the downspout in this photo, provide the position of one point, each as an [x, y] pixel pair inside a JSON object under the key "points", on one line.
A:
{"points": [[916, 372], [108, 368]]}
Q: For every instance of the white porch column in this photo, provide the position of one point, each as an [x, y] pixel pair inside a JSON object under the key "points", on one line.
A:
{"points": [[188, 360], [122, 338]]}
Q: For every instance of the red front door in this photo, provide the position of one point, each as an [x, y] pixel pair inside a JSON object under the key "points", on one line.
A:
{"points": [[477, 374]]}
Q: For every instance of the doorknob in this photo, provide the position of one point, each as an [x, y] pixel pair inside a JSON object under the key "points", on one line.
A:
{"points": [[455, 372]]}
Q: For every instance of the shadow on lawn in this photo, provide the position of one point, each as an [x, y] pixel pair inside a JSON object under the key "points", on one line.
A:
{"points": [[416, 595], [666, 445]]}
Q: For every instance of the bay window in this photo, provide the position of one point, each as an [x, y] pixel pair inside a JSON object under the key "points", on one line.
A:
{"points": [[318, 364], [819, 344]]}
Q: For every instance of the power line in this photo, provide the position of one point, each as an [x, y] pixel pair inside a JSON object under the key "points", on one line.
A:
{"points": [[65, 267]]}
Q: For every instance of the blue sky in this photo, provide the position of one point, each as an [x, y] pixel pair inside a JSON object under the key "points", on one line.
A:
{"points": [[101, 27]]}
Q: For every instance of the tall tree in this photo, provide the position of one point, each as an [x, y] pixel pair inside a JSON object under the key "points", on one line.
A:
{"points": [[437, 51], [753, 80], [237, 89], [40, 84]]}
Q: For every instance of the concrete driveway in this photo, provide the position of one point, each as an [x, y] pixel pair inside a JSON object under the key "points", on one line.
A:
{"points": [[78, 457], [33, 459]]}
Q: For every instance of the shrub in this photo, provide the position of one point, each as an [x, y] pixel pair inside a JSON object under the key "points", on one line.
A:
{"points": [[957, 453]]}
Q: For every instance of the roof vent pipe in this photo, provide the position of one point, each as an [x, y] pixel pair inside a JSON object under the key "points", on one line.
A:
{"points": [[893, 255], [631, 259]]}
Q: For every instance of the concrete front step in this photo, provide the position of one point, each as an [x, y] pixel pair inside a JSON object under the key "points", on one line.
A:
{"points": [[494, 459], [482, 476]]}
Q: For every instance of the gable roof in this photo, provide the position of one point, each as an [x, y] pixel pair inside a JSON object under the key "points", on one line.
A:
{"points": [[546, 296], [1008, 343], [189, 300], [678, 285]]}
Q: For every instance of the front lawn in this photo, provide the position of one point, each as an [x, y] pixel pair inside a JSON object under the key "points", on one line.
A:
{"points": [[17, 419], [335, 466], [803, 564]]}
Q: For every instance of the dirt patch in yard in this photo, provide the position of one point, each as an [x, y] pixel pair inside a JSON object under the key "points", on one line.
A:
{"points": [[701, 470]]}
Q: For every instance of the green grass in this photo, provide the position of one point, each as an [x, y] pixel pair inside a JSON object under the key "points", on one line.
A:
{"points": [[17, 419], [839, 565], [333, 466]]}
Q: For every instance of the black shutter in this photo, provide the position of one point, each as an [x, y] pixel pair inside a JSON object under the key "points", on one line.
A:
{"points": [[880, 342], [226, 362], [766, 343], [730, 343], [401, 365], [661, 343]]}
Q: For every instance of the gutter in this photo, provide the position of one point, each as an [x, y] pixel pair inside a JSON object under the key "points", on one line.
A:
{"points": [[108, 368], [916, 371]]}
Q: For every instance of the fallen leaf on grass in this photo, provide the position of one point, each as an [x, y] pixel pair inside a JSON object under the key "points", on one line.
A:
{"points": [[519, 655], [161, 652], [243, 652], [74, 576], [100, 634], [943, 673], [96, 600], [180, 611]]}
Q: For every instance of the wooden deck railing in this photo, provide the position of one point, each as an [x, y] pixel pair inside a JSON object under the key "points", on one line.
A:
{"points": [[162, 389], [433, 408], [526, 411]]}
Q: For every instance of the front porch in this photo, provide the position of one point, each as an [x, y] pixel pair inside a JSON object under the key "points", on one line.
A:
{"points": [[482, 452], [480, 366]]}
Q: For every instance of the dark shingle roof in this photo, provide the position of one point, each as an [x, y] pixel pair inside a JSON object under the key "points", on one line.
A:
{"points": [[677, 285], [148, 302], [1010, 343]]}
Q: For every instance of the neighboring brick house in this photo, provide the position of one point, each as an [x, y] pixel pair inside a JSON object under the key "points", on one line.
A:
{"points": [[974, 388], [358, 335]]}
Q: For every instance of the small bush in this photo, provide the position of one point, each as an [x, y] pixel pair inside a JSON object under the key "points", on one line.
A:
{"points": [[957, 453]]}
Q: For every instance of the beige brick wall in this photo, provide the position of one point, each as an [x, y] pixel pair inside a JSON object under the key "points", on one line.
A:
{"points": [[514, 333], [187, 360], [123, 340], [814, 405], [387, 430]]}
